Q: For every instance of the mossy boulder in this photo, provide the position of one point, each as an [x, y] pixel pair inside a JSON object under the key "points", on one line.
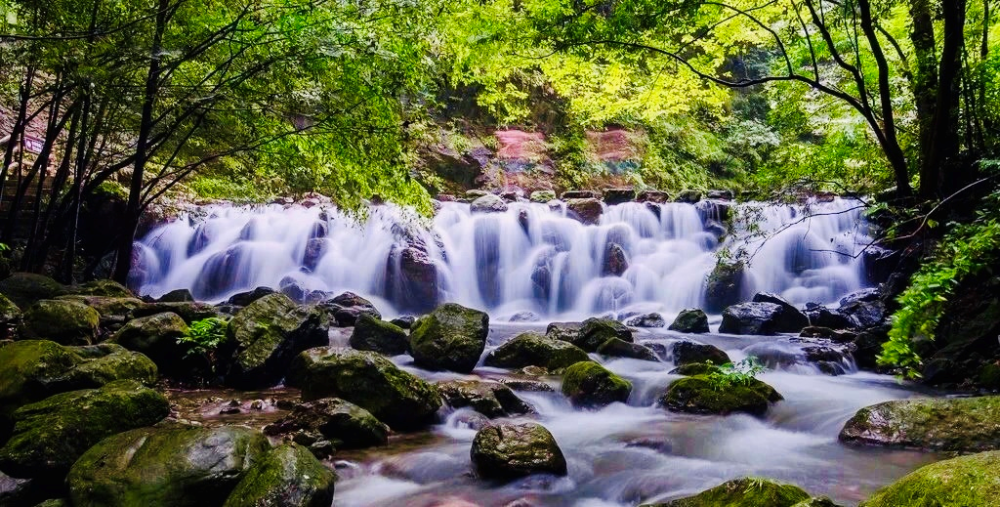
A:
{"points": [[105, 288], [751, 319], [692, 369], [700, 394], [50, 435], [790, 319], [686, 352], [616, 347], [954, 424], [563, 331], [288, 476], [971, 480], [165, 467], [368, 380], [589, 384], [108, 362], [9, 312], [379, 336], [189, 311], [724, 286], [177, 296], [451, 337], [113, 310], [25, 289], [746, 492], [343, 423], [488, 203], [155, 336], [267, 335], [65, 322], [532, 349], [690, 321], [346, 308], [542, 196], [596, 332], [491, 399], [509, 451]]}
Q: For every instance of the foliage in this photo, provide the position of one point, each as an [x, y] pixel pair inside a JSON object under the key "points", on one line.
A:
{"points": [[204, 337], [742, 373]]}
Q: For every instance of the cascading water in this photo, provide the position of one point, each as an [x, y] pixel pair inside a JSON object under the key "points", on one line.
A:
{"points": [[532, 258]]}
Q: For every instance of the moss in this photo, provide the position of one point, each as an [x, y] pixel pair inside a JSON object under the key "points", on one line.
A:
{"points": [[989, 376], [690, 321], [491, 399], [532, 349], [968, 480], [693, 369], [105, 288], [509, 451], [955, 424], [699, 395], [110, 189], [27, 371], [108, 362], [595, 332], [9, 312], [379, 336], [345, 424], [24, 289], [746, 492], [289, 476], [817, 502], [616, 347], [65, 322], [155, 336], [451, 337], [589, 384], [107, 306]]}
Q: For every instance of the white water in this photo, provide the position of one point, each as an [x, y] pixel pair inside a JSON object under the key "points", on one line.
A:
{"points": [[530, 258]]}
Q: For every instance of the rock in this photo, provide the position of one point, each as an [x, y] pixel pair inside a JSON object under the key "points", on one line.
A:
{"points": [[245, 298], [581, 194], [615, 261], [864, 314], [828, 334], [531, 349], [509, 451], [863, 296], [345, 424], [190, 312], [724, 195], [724, 286], [690, 321], [531, 386], [288, 476], [967, 480], [368, 380], [25, 289], [292, 287], [404, 322], [379, 336], [177, 296], [685, 352], [700, 395], [347, 307], [646, 320], [746, 492], [653, 196], [488, 203], [751, 318], [589, 384], [267, 335], [491, 399], [563, 331], [113, 310], [951, 424], [104, 287], [50, 435], [65, 322], [586, 211], [868, 346], [165, 467], [614, 196], [416, 286], [451, 337], [525, 316], [692, 369], [615, 347], [822, 316], [542, 196], [790, 319], [156, 336], [105, 363], [821, 501], [595, 332], [316, 249]]}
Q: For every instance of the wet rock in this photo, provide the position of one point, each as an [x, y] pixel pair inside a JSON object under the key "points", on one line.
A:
{"points": [[653, 196], [491, 399], [685, 352], [113, 310], [614, 196], [692, 369], [542, 196], [451, 337], [379, 336], [725, 195], [65, 322], [746, 492], [345, 424], [245, 298], [405, 322], [828, 334], [563, 331], [615, 347], [267, 335], [156, 337], [488, 203], [822, 316], [347, 307], [821, 501], [585, 211], [190, 312], [595, 332], [688, 196], [509, 451], [10, 314], [589, 384], [967, 480], [790, 319], [289, 476], [177, 296], [864, 296], [646, 320], [529, 349], [25, 289], [690, 321], [292, 288], [130, 468], [316, 248], [524, 317], [724, 286], [830, 360], [955, 424], [531, 386], [660, 446], [418, 290], [368, 380], [865, 314], [580, 194], [751, 319], [50, 435], [615, 261], [700, 394]]}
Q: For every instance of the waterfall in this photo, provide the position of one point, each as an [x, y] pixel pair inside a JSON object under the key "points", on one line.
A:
{"points": [[536, 258]]}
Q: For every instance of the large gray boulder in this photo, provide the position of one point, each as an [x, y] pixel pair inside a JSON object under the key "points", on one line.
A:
{"points": [[379, 336], [751, 319]]}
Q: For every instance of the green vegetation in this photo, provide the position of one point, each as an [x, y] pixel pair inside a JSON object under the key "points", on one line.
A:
{"points": [[204, 337], [743, 373]]}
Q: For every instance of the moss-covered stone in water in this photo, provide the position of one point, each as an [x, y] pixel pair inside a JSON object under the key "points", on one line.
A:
{"points": [[491, 399], [690, 321], [451, 337], [699, 395], [692, 369], [108, 362], [55, 502], [532, 349], [686, 352], [746, 492], [615, 347], [24, 289], [190, 311], [595, 332], [155, 336], [955, 424], [106, 288], [165, 467], [111, 309], [591, 385], [509, 451], [50, 435], [379, 336], [345, 424], [972, 480], [288, 476], [65, 322]]}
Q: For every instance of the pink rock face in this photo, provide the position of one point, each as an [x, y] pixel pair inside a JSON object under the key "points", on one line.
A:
{"points": [[520, 145], [613, 145]]}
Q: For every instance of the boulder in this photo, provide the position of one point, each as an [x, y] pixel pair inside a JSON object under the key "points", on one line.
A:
{"points": [[245, 298], [653, 196], [586, 211], [379, 336], [267, 335], [491, 399], [826, 333], [616, 347], [65, 322], [688, 196], [345, 424], [113, 310], [580, 194], [820, 501], [542, 196], [525, 316], [864, 314], [724, 285], [165, 467], [746, 492], [822, 316], [368, 380], [790, 318], [531, 349], [589, 384], [190, 312], [563, 331], [417, 288], [864, 296], [646, 320], [50, 435], [451, 337], [347, 307], [103, 287], [967, 480], [951, 424], [25, 289], [692, 369], [702, 394], [751, 318], [288, 476], [105, 363], [10, 314], [615, 260], [404, 322], [685, 352], [510, 451], [488, 203], [614, 196], [155, 336], [690, 321], [595, 332], [177, 296]]}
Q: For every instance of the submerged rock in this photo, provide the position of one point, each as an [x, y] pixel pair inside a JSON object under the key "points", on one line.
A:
{"points": [[751, 319], [595, 332], [685, 352], [379, 336], [345, 424], [347, 307], [589, 384], [509, 451], [531, 349], [790, 319], [491, 399], [701, 394], [968, 480], [615, 260], [451, 337], [25, 289], [955, 424], [615, 347], [288, 476], [724, 286], [65, 322], [690, 321], [647, 320], [746, 492]]}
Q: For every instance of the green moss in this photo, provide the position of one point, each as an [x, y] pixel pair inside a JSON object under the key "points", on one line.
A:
{"points": [[589, 384], [108, 307], [690, 321], [955, 424], [24, 289], [105, 288], [532, 349], [509, 451], [698, 395], [965, 481], [616, 347], [9, 312], [108, 362], [693, 369], [289, 476], [746, 492], [379, 336], [595, 332], [111, 189], [345, 424], [155, 336], [65, 322], [491, 399], [451, 337]]}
